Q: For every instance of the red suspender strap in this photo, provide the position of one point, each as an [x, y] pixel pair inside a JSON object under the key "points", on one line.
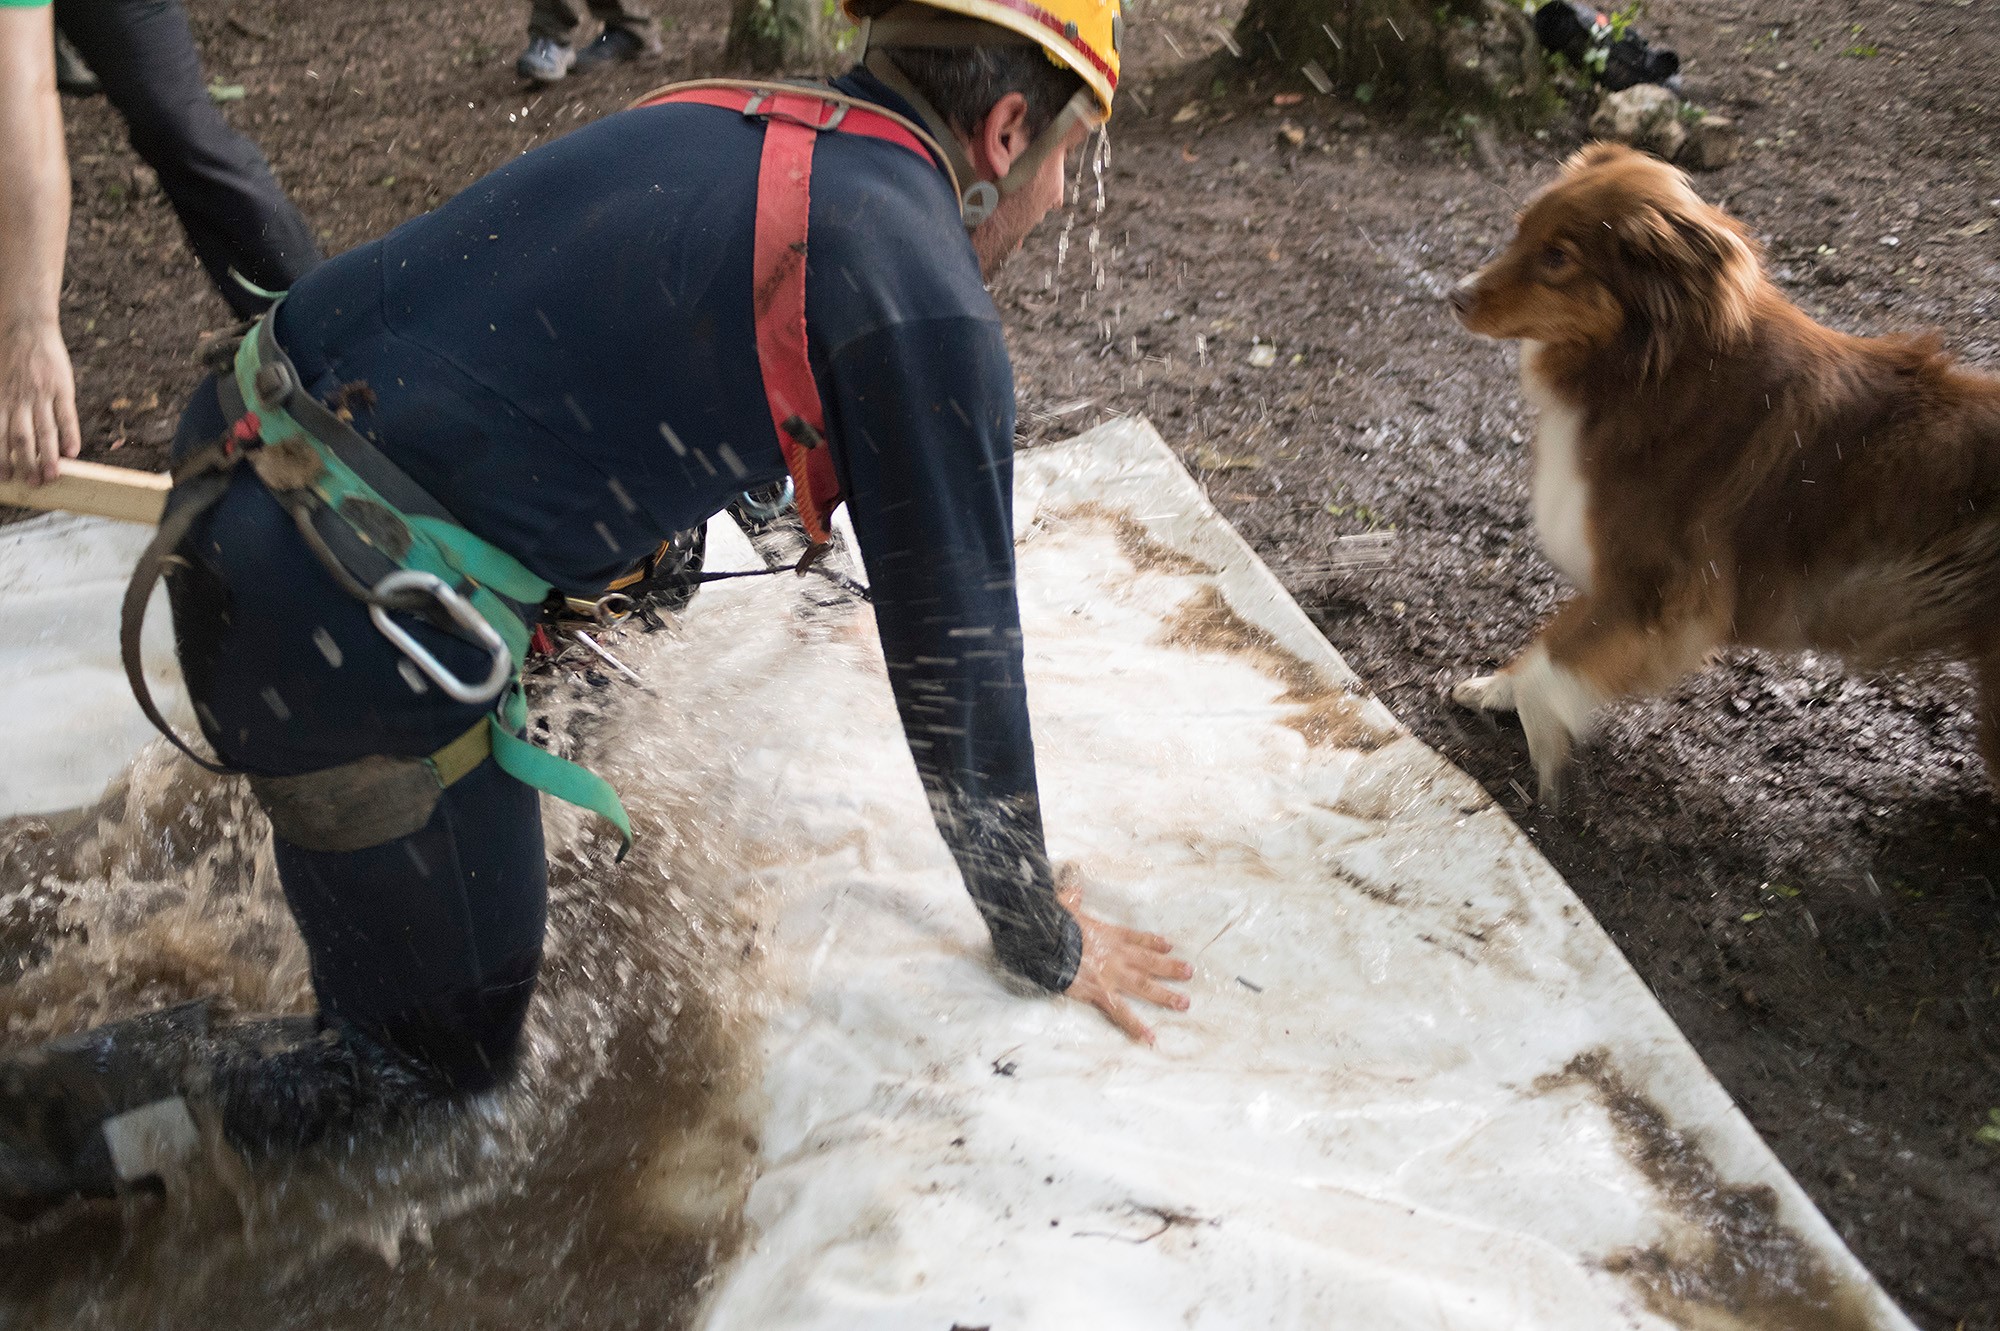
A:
{"points": [[778, 300], [793, 121]]}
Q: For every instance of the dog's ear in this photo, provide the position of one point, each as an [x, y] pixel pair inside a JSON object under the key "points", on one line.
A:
{"points": [[1688, 275]]}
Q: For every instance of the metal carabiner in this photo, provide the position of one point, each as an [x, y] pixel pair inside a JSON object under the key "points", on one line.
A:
{"points": [[764, 504], [462, 613]]}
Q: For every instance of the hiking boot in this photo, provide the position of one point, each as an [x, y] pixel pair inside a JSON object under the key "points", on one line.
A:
{"points": [[89, 1115], [545, 60], [616, 45], [73, 77]]}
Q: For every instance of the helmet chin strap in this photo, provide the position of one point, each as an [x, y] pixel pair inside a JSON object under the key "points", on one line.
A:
{"points": [[978, 198]]}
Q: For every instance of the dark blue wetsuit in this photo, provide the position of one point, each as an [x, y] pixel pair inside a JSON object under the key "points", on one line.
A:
{"points": [[564, 356]]}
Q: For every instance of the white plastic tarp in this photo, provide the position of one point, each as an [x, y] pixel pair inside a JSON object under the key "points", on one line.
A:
{"points": [[1418, 1087], [71, 721]]}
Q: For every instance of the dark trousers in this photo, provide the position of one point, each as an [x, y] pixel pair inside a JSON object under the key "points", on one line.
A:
{"points": [[233, 212], [560, 18], [428, 945]]}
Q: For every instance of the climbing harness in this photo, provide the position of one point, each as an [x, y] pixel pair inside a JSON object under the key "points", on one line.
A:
{"points": [[665, 581], [393, 547], [794, 117]]}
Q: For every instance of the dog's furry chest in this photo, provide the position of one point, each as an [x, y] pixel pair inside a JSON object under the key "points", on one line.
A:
{"points": [[1561, 493]]}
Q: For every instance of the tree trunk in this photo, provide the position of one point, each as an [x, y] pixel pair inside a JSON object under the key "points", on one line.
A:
{"points": [[1476, 56], [787, 36]]}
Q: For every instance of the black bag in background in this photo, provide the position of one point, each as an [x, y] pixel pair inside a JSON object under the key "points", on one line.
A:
{"points": [[1582, 36]]}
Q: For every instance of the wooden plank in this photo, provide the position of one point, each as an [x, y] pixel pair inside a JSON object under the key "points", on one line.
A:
{"points": [[124, 493]]}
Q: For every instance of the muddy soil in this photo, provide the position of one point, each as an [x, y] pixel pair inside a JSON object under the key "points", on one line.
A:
{"points": [[1799, 862]]}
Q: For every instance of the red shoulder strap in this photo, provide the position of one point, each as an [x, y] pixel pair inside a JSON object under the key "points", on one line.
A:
{"points": [[793, 121]]}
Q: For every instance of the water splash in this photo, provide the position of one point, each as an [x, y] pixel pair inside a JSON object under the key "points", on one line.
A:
{"points": [[597, 1191], [1097, 162]]}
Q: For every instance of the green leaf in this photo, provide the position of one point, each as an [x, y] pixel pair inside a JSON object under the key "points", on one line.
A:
{"points": [[227, 92], [1364, 93], [1752, 915]]}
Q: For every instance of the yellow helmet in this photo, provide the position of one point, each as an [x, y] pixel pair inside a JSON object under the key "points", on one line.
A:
{"points": [[1083, 36], [1080, 35]]}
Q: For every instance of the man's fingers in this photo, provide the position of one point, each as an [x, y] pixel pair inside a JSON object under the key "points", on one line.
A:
{"points": [[1122, 1016], [1150, 942], [48, 444], [1158, 994], [68, 431], [19, 440]]}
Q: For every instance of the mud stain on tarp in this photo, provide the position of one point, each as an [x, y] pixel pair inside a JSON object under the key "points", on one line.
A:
{"points": [[1147, 552], [1729, 1264], [1326, 715], [1381, 894]]}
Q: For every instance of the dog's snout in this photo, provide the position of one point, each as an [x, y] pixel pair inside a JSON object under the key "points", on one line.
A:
{"points": [[1460, 297]]}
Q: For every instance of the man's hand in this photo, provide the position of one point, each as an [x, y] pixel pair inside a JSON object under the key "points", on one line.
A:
{"points": [[1117, 962], [37, 403]]}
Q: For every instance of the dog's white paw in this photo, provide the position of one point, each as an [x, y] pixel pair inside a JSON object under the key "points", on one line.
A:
{"points": [[1556, 706], [1486, 693]]}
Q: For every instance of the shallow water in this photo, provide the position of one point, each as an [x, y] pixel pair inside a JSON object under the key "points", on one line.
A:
{"points": [[599, 1191]]}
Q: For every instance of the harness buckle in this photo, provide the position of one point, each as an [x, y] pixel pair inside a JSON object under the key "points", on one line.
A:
{"points": [[781, 110], [274, 383], [394, 586]]}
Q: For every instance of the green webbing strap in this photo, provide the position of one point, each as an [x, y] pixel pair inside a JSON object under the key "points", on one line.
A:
{"points": [[476, 568], [559, 777]]}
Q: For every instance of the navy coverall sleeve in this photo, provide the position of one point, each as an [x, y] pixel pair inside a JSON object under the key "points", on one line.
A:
{"points": [[925, 432]]}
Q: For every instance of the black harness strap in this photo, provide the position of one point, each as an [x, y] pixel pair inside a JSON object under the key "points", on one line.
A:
{"points": [[198, 486]]}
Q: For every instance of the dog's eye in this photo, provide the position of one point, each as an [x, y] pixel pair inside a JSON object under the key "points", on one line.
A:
{"points": [[1554, 259]]}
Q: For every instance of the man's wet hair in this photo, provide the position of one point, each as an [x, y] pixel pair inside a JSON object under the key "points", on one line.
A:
{"points": [[963, 83]]}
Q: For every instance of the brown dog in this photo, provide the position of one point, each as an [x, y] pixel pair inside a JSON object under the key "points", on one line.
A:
{"points": [[1714, 468]]}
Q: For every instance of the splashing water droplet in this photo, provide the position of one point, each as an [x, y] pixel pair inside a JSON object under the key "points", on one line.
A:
{"points": [[1099, 161]]}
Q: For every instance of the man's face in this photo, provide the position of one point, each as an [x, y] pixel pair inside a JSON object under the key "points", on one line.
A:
{"points": [[997, 238]]}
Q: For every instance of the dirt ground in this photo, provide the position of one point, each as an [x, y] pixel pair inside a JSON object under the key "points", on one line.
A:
{"points": [[1800, 863]]}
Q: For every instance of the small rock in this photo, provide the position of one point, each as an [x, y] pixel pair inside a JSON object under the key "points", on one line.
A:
{"points": [[1713, 142], [1644, 115], [1667, 138], [1291, 135]]}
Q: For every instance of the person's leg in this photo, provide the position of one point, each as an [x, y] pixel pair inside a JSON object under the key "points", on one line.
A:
{"points": [[233, 211], [551, 26], [73, 76], [429, 945], [423, 950], [426, 944], [627, 16], [557, 20], [629, 34]]}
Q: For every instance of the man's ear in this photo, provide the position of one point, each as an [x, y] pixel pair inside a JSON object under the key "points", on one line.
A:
{"points": [[999, 140]]}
